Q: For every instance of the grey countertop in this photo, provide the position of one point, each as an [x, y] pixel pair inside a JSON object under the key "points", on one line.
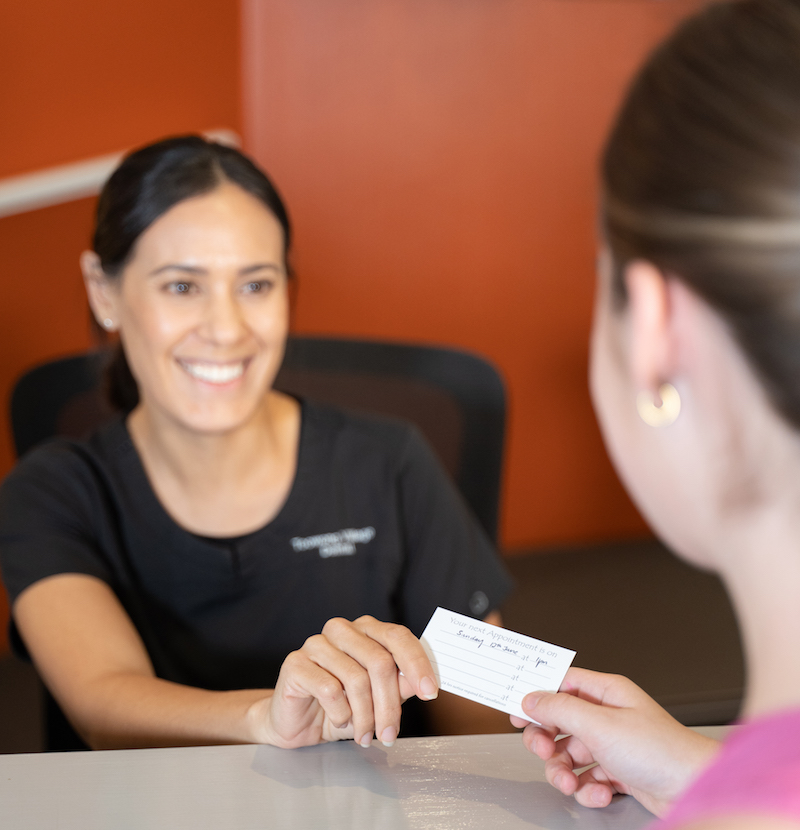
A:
{"points": [[482, 781]]}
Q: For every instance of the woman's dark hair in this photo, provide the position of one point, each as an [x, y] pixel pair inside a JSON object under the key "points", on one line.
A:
{"points": [[701, 177], [146, 185]]}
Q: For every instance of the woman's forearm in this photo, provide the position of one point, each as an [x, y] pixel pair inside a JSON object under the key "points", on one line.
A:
{"points": [[127, 711]]}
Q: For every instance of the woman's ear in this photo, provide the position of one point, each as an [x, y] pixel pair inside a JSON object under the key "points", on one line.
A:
{"points": [[101, 292], [652, 347]]}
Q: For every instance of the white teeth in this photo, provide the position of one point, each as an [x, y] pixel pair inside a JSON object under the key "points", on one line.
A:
{"points": [[214, 372]]}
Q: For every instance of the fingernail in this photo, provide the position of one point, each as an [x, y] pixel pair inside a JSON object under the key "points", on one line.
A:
{"points": [[366, 740], [428, 688], [598, 798], [558, 781], [389, 736]]}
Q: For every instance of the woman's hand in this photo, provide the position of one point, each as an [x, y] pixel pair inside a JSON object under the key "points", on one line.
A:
{"points": [[346, 683], [638, 747]]}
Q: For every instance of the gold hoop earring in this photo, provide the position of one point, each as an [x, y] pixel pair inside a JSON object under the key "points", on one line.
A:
{"points": [[663, 415]]}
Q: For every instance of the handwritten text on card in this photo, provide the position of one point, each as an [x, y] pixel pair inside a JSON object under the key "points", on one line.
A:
{"points": [[491, 665]]}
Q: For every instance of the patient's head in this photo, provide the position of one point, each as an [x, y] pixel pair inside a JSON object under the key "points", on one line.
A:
{"points": [[701, 215], [701, 177]]}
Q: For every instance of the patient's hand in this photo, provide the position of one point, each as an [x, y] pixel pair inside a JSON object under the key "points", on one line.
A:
{"points": [[639, 749]]}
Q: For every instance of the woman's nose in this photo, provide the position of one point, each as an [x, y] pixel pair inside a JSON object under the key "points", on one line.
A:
{"points": [[224, 321]]}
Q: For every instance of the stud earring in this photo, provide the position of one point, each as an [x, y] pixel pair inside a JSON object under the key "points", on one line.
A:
{"points": [[663, 415], [108, 323]]}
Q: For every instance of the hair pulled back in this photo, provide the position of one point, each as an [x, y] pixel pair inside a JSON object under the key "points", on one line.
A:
{"points": [[146, 185], [701, 177]]}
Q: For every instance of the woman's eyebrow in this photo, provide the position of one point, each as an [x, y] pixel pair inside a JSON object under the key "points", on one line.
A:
{"points": [[174, 266], [196, 270], [260, 266]]}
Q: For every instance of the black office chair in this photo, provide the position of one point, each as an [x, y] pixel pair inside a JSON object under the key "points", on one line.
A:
{"points": [[456, 399]]}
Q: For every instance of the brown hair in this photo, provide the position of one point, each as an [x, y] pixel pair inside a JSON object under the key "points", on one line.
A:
{"points": [[701, 177]]}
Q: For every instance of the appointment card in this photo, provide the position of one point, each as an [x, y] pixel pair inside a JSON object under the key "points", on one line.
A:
{"points": [[489, 664]]}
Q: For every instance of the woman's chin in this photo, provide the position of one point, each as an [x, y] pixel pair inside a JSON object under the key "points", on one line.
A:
{"points": [[213, 420]]}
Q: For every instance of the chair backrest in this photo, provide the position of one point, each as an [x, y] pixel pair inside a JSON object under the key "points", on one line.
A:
{"points": [[61, 397], [456, 399]]}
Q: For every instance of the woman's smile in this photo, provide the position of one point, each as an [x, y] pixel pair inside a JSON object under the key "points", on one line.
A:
{"points": [[216, 373]]}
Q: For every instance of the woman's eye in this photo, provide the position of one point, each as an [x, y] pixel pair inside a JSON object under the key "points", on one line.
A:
{"points": [[179, 287], [256, 286]]}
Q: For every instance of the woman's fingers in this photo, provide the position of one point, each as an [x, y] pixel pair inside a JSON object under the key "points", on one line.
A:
{"points": [[600, 688], [407, 653], [539, 740], [591, 788], [350, 681], [320, 677], [352, 667], [378, 649], [562, 755], [562, 712], [593, 791], [306, 695], [585, 696], [361, 668]]}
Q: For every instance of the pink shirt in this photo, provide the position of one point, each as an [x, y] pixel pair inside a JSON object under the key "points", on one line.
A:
{"points": [[756, 771]]}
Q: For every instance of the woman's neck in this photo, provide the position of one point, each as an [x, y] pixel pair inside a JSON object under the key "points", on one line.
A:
{"points": [[762, 574], [221, 484]]}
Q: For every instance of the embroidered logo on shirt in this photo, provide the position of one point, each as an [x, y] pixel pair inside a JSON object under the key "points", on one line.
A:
{"points": [[340, 543]]}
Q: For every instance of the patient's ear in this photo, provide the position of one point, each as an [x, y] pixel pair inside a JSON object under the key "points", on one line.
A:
{"points": [[652, 348], [102, 293]]}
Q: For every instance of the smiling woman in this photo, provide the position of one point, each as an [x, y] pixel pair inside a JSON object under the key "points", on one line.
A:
{"points": [[155, 571]]}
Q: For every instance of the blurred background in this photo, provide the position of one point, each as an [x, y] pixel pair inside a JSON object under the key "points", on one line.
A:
{"points": [[438, 158]]}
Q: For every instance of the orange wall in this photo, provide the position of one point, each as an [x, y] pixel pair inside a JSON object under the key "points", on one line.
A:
{"points": [[81, 79], [438, 157]]}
